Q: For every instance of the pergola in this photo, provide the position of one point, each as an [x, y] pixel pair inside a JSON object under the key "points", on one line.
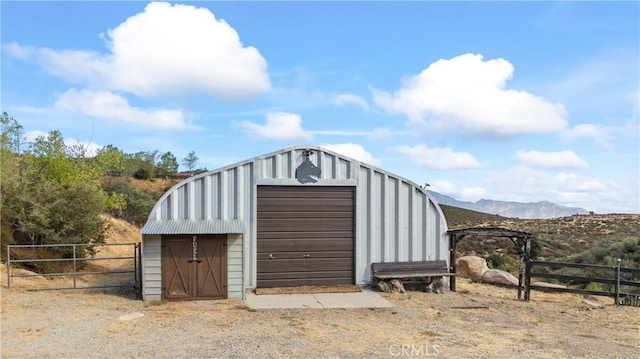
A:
{"points": [[522, 241]]}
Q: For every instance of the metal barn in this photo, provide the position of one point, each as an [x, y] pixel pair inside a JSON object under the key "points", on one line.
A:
{"points": [[299, 216]]}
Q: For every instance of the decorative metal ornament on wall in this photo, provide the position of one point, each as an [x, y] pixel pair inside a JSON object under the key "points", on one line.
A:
{"points": [[307, 170]]}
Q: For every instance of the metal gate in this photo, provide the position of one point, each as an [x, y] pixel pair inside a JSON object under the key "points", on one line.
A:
{"points": [[129, 269]]}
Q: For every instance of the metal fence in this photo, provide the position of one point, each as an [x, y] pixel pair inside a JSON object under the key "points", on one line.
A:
{"points": [[132, 274], [619, 276]]}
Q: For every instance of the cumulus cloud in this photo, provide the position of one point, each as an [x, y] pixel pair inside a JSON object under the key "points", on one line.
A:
{"points": [[441, 158], [472, 194], [166, 49], [468, 94], [350, 99], [442, 187], [561, 159], [279, 126], [354, 151], [375, 134], [599, 134], [109, 106], [569, 182]]}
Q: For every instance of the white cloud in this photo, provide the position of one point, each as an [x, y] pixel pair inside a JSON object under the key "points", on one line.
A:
{"points": [[569, 182], [599, 134], [376, 133], [109, 106], [561, 159], [468, 94], [354, 151], [279, 126], [442, 187], [165, 49], [472, 194], [350, 99], [442, 158]]}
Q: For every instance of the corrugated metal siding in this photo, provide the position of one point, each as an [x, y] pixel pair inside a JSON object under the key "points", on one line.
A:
{"points": [[395, 219], [190, 226], [235, 272]]}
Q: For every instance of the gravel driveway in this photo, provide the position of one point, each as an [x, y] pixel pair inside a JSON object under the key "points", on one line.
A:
{"points": [[476, 322]]}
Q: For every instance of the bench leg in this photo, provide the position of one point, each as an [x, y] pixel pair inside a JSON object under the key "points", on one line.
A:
{"points": [[435, 285], [390, 285]]}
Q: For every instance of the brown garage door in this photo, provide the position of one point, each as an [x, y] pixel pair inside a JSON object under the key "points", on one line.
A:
{"points": [[194, 267], [305, 235]]}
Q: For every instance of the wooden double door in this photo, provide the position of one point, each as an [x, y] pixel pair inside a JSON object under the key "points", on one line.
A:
{"points": [[194, 267]]}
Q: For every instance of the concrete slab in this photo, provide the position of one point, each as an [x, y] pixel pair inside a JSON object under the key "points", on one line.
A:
{"points": [[365, 299]]}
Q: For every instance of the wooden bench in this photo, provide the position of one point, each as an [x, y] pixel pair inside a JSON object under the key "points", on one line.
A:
{"points": [[389, 276]]}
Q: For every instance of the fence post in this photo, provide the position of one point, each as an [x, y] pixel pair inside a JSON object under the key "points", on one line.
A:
{"points": [[527, 279], [8, 266], [75, 268], [618, 262]]}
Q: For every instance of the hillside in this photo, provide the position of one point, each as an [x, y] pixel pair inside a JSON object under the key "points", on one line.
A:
{"points": [[561, 238], [531, 210]]}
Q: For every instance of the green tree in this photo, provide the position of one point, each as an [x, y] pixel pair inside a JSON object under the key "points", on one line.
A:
{"points": [[51, 193], [111, 160], [190, 161], [168, 164], [143, 164]]}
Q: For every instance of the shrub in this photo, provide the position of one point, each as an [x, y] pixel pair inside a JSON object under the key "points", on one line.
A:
{"points": [[503, 262], [138, 202]]}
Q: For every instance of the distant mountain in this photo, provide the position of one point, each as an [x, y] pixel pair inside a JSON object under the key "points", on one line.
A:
{"points": [[533, 210]]}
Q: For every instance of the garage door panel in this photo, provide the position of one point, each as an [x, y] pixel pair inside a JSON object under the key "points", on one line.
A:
{"points": [[308, 225], [287, 192], [322, 236], [293, 213], [304, 254], [307, 264], [305, 235], [269, 246], [285, 265], [296, 275], [270, 283]]}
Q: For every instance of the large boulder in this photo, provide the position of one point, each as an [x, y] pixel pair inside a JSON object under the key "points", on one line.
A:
{"points": [[471, 267], [496, 276]]}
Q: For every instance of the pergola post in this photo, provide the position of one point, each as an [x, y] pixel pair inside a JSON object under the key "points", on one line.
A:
{"points": [[452, 261], [527, 274]]}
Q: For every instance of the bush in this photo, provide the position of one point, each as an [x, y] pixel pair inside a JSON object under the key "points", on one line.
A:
{"points": [[138, 202], [502, 262], [596, 287]]}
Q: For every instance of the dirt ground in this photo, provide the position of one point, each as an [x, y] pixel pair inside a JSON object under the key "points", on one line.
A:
{"points": [[478, 321]]}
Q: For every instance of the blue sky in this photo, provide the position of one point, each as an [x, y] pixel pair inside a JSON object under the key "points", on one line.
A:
{"points": [[509, 101]]}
